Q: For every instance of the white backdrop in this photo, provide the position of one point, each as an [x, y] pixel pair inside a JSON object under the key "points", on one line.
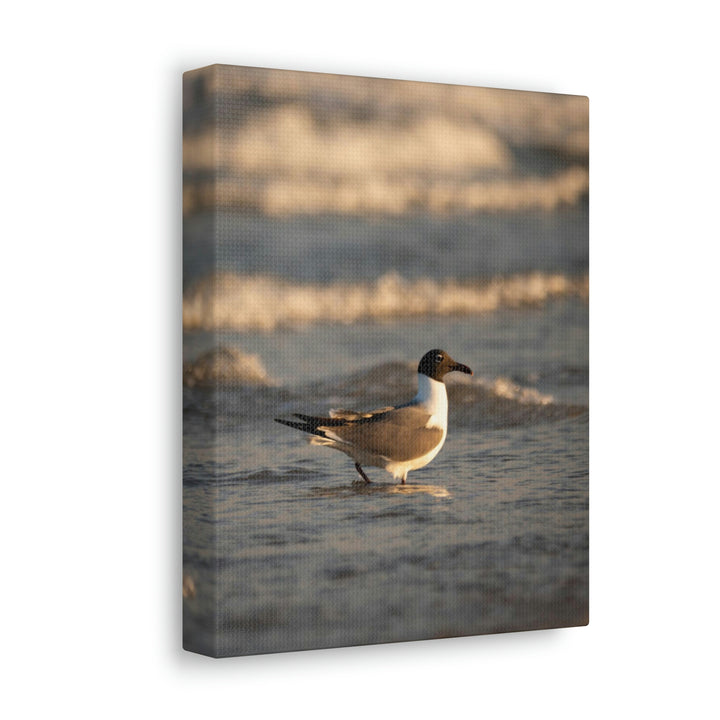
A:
{"points": [[91, 413]]}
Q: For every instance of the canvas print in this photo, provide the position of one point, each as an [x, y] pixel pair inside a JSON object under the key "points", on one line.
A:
{"points": [[385, 361]]}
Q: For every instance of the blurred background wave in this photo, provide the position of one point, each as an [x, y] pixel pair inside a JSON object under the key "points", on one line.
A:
{"points": [[284, 143]]}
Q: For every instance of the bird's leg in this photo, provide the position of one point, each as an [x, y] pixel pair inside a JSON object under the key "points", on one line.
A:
{"points": [[404, 477], [362, 474]]}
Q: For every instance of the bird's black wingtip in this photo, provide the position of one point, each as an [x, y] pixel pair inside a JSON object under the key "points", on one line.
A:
{"points": [[303, 426]]}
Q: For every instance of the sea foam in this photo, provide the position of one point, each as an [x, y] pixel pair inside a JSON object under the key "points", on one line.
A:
{"points": [[262, 302]]}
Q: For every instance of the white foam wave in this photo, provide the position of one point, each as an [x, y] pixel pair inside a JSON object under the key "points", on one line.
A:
{"points": [[261, 302], [289, 141], [393, 195], [506, 388], [527, 118], [305, 143]]}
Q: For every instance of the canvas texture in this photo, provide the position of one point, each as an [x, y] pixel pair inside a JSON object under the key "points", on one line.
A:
{"points": [[352, 249]]}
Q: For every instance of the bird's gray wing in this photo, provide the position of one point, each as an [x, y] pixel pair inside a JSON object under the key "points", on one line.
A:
{"points": [[399, 434]]}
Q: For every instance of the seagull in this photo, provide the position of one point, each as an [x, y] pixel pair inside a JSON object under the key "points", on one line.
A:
{"points": [[397, 439]]}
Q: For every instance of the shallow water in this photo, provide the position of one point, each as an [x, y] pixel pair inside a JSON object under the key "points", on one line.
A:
{"points": [[493, 537], [287, 551]]}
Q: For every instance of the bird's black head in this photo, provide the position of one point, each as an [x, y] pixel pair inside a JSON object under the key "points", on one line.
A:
{"points": [[437, 363]]}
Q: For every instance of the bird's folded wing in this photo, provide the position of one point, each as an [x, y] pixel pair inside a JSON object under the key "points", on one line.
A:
{"points": [[399, 434]]}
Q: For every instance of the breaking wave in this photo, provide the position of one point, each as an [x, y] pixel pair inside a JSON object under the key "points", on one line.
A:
{"points": [[251, 396], [391, 195], [304, 143], [225, 366], [261, 302]]}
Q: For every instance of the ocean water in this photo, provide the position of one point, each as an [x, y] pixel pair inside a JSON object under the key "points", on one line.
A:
{"points": [[282, 549]]}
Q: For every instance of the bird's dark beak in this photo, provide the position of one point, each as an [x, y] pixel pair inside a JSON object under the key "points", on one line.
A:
{"points": [[461, 368]]}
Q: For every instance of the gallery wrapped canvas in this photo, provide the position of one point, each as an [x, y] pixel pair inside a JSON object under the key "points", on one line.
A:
{"points": [[385, 360]]}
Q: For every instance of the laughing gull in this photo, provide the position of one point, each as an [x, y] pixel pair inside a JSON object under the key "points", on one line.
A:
{"points": [[397, 439]]}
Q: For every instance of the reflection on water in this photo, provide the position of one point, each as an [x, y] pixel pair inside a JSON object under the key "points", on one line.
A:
{"points": [[363, 488]]}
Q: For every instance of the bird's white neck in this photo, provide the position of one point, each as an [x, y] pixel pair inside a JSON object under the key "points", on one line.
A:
{"points": [[433, 395]]}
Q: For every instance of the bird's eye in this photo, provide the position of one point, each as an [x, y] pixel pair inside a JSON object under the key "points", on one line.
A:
{"points": [[438, 358]]}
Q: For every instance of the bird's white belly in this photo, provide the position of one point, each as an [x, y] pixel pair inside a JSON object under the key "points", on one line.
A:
{"points": [[401, 469]]}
